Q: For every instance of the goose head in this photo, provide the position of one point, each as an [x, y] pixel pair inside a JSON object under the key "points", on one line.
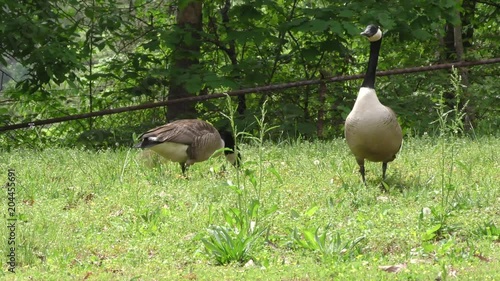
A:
{"points": [[372, 32], [230, 148]]}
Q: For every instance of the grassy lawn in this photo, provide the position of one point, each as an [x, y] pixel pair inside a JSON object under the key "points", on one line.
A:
{"points": [[298, 208]]}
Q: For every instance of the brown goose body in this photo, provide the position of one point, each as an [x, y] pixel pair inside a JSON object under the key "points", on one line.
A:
{"points": [[372, 130], [186, 141]]}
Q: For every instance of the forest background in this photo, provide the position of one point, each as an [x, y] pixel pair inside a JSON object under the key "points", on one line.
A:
{"points": [[69, 57]]}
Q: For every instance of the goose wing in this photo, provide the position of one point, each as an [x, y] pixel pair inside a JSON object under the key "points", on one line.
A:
{"points": [[186, 131]]}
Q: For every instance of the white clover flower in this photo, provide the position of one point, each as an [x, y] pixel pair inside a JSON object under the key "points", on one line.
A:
{"points": [[426, 211]]}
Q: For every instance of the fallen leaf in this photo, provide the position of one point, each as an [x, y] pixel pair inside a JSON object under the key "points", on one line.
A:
{"points": [[151, 254], [190, 276], [87, 275], [117, 213], [452, 272], [89, 197], [393, 268], [29, 202], [482, 258]]}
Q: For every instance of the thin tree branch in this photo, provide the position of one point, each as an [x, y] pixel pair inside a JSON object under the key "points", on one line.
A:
{"points": [[8, 75]]}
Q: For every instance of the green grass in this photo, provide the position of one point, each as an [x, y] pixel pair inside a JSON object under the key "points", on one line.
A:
{"points": [[106, 216]]}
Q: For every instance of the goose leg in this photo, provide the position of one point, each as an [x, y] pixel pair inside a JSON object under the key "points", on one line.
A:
{"points": [[183, 168], [361, 163], [362, 171], [384, 168]]}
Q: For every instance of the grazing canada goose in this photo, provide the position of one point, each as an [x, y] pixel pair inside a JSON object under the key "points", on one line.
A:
{"points": [[188, 141], [372, 130]]}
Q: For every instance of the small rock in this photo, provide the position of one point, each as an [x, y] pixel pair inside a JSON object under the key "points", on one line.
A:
{"points": [[249, 263]]}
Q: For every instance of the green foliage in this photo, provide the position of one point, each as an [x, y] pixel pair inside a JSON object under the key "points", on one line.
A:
{"points": [[329, 245], [124, 219], [439, 231], [450, 126], [451, 121], [225, 249], [247, 222], [38, 36], [75, 57], [489, 230], [236, 242]]}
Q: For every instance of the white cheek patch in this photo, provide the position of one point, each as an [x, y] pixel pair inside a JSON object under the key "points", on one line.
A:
{"points": [[376, 37]]}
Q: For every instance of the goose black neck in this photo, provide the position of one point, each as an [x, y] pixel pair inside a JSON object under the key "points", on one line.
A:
{"points": [[369, 81], [228, 139]]}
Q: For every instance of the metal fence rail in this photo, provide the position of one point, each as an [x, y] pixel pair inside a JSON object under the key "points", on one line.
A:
{"points": [[261, 89]]}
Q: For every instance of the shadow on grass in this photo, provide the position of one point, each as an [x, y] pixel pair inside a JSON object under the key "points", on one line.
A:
{"points": [[402, 182]]}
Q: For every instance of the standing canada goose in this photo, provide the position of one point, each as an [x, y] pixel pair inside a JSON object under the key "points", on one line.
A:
{"points": [[372, 130], [188, 141]]}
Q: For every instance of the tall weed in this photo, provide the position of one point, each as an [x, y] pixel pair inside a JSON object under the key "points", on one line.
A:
{"points": [[451, 128], [249, 220]]}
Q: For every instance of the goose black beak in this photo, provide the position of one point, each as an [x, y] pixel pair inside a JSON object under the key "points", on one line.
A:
{"points": [[370, 30]]}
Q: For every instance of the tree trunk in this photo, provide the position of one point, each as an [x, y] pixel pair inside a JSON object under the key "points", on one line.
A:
{"points": [[233, 56], [456, 41], [184, 57], [469, 110], [321, 110]]}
